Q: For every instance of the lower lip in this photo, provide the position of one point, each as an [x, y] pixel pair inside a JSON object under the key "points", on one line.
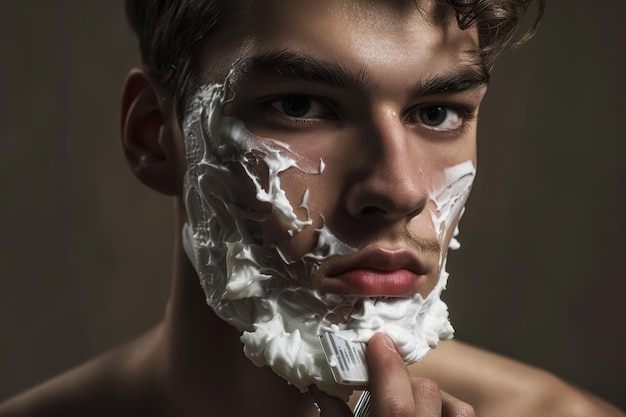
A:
{"points": [[374, 283]]}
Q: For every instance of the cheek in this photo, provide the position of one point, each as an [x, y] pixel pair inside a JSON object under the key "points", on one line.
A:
{"points": [[312, 199], [245, 190]]}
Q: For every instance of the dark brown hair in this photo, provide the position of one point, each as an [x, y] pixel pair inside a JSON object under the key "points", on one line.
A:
{"points": [[170, 32], [496, 21]]}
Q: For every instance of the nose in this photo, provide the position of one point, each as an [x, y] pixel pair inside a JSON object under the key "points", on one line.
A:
{"points": [[388, 184]]}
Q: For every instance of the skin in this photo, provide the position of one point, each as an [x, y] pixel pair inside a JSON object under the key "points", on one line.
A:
{"points": [[178, 368]]}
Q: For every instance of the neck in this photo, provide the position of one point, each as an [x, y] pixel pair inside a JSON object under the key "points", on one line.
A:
{"points": [[206, 367]]}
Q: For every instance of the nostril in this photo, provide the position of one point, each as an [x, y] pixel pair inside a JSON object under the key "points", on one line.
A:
{"points": [[391, 211], [372, 211], [418, 209], [381, 206]]}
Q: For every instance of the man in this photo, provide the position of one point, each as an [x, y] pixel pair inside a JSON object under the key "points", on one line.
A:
{"points": [[372, 137]]}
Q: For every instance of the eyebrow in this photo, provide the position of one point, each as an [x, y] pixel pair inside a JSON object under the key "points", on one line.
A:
{"points": [[466, 78], [289, 65]]}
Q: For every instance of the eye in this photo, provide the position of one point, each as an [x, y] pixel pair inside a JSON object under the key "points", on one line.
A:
{"points": [[301, 107], [440, 117]]}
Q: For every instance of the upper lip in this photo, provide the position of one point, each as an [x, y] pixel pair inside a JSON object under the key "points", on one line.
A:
{"points": [[380, 259]]}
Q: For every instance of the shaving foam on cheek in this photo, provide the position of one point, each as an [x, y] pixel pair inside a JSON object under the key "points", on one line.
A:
{"points": [[253, 285], [261, 290], [448, 205]]}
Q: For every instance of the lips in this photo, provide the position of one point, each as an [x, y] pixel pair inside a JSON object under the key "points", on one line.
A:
{"points": [[376, 273]]}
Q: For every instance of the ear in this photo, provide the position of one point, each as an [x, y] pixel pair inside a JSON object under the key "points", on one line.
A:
{"points": [[151, 138]]}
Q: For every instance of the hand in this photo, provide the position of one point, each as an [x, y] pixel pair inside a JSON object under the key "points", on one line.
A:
{"points": [[394, 392]]}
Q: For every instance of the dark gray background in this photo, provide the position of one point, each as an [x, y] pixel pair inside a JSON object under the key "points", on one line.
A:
{"points": [[84, 248]]}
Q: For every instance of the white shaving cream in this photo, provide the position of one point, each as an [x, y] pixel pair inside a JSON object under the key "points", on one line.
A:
{"points": [[263, 292]]}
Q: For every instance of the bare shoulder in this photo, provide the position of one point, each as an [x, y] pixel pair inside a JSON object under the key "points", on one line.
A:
{"points": [[107, 385], [496, 385]]}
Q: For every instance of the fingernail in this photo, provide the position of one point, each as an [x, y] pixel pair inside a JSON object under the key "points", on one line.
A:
{"points": [[388, 343]]}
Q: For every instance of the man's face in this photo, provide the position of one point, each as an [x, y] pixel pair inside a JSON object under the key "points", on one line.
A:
{"points": [[371, 108]]}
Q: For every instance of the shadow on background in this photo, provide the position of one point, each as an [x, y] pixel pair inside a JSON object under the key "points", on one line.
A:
{"points": [[84, 258]]}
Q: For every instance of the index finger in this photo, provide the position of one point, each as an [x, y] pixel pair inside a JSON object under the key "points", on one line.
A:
{"points": [[390, 382]]}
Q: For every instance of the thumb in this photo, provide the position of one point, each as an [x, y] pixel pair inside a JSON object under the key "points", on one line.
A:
{"points": [[329, 406]]}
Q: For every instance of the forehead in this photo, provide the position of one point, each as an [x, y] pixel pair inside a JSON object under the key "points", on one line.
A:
{"points": [[390, 37]]}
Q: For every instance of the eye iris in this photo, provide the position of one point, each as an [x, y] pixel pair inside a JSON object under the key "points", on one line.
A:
{"points": [[296, 106], [434, 115]]}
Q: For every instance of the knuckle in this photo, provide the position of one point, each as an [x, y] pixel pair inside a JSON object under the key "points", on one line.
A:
{"points": [[398, 407], [426, 388]]}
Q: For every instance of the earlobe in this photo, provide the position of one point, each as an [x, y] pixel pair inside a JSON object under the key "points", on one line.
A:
{"points": [[151, 137]]}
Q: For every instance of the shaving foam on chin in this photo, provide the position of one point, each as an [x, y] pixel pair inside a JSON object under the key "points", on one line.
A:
{"points": [[263, 292]]}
